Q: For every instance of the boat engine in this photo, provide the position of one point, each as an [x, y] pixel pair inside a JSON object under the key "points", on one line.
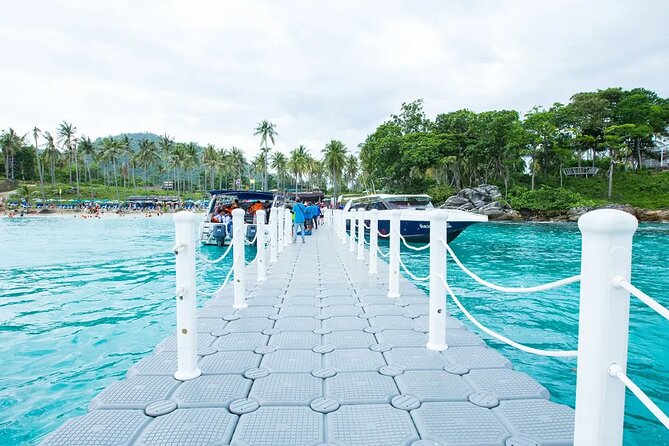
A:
{"points": [[219, 232]]}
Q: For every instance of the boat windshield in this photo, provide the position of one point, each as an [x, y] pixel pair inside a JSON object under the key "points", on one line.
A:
{"points": [[409, 202]]}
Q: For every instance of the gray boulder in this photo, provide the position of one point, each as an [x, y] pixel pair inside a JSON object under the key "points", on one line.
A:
{"points": [[482, 200]]}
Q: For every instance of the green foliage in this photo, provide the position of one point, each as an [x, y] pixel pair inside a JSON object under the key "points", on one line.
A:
{"points": [[546, 199], [440, 193]]}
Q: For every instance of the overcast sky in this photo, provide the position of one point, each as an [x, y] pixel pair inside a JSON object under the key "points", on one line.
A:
{"points": [[210, 71]]}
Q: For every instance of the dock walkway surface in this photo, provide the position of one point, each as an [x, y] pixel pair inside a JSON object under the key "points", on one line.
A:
{"points": [[322, 357]]}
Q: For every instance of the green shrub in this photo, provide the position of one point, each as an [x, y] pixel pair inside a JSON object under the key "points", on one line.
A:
{"points": [[546, 199], [439, 193]]}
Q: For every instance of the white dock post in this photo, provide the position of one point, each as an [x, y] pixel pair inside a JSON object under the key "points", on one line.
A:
{"points": [[351, 240], [361, 234], [288, 227], [373, 241], [437, 315], [280, 220], [394, 262], [273, 234], [342, 226], [603, 326], [238, 247], [184, 225], [260, 245]]}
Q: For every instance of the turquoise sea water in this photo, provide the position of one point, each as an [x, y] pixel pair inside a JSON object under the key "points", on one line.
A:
{"points": [[82, 300]]}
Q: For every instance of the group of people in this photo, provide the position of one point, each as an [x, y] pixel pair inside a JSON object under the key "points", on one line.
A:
{"points": [[306, 217]]}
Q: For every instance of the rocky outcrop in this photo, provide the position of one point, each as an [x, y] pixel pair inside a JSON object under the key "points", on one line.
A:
{"points": [[482, 200]]}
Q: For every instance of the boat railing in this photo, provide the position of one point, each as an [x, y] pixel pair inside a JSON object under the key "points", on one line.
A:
{"points": [[604, 301]]}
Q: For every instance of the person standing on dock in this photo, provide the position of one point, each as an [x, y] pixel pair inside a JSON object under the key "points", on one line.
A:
{"points": [[299, 211]]}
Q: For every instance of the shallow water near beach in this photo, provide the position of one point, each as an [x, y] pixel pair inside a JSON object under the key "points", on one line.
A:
{"points": [[82, 300]]}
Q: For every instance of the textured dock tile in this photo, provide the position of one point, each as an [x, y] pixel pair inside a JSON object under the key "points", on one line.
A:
{"points": [[211, 391], [336, 310], [419, 309], [349, 339], [403, 338], [229, 362], [258, 311], [370, 425], [164, 363], [214, 311], [301, 300], [279, 426], [360, 388], [286, 389], [190, 427], [376, 299], [433, 385], [340, 300], [298, 324], [460, 337], [392, 322], [415, 358], [134, 393], [354, 360], [299, 310], [240, 341], [459, 423], [169, 344], [99, 427], [295, 340], [550, 423], [262, 301], [451, 322], [388, 309], [209, 324], [345, 323], [250, 324], [291, 361], [506, 384], [476, 357]]}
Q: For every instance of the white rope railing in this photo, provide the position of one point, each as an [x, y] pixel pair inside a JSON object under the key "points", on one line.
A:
{"points": [[616, 371], [412, 275], [252, 241], [413, 248], [504, 339], [620, 282], [219, 289], [503, 289], [383, 235], [212, 262], [381, 252]]}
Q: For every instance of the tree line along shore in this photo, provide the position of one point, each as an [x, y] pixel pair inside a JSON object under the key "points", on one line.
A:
{"points": [[620, 135]]}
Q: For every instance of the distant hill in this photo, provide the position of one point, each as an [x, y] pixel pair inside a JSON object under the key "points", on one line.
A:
{"points": [[135, 138]]}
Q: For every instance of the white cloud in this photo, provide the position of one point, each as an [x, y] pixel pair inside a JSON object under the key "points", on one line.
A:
{"points": [[209, 71]]}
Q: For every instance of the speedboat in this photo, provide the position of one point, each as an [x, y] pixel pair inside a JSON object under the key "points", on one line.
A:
{"points": [[418, 231], [215, 232]]}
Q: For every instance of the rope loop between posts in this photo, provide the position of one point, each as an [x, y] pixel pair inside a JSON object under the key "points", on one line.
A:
{"points": [[366, 226], [617, 372], [383, 235], [225, 282], [413, 276], [252, 241], [503, 289], [535, 351], [381, 252], [404, 242], [212, 262], [620, 282]]}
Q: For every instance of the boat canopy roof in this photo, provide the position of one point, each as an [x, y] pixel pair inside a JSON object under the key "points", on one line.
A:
{"points": [[245, 194]]}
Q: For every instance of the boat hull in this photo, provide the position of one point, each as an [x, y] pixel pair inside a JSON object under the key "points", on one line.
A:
{"points": [[419, 231]]}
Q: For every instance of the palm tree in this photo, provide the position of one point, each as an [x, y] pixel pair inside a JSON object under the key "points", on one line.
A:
{"points": [[266, 130], [298, 163], [26, 193], [334, 159], [40, 170], [10, 142], [280, 163], [147, 156], [237, 162], [66, 133], [51, 153], [222, 166], [351, 169], [127, 153], [88, 152], [111, 151], [165, 145], [209, 161]]}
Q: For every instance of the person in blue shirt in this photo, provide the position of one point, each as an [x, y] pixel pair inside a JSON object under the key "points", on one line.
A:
{"points": [[299, 211], [316, 214]]}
